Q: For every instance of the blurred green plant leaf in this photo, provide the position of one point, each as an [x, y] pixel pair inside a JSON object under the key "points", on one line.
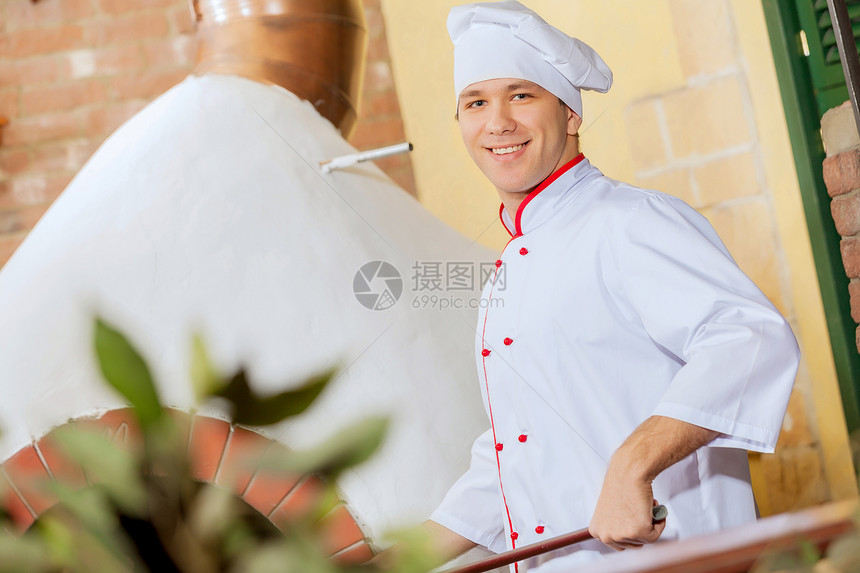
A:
{"points": [[298, 554], [115, 470], [23, 554], [88, 518], [844, 553], [212, 512], [254, 410], [73, 549], [89, 505], [809, 554], [204, 378], [125, 370], [149, 484], [59, 540], [414, 553], [345, 449]]}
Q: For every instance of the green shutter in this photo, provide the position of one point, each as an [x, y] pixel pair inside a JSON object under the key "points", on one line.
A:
{"points": [[828, 37], [824, 65], [810, 85]]}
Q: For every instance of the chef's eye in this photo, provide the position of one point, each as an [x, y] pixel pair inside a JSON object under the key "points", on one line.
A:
{"points": [[477, 103], [521, 97]]}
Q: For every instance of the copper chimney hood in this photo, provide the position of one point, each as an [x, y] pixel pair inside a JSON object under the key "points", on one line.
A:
{"points": [[313, 48]]}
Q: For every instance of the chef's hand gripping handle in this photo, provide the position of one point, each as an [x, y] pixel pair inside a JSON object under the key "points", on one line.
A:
{"points": [[658, 514]]}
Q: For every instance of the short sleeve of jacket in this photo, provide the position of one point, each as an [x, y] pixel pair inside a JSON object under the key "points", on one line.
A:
{"points": [[739, 355], [472, 507]]}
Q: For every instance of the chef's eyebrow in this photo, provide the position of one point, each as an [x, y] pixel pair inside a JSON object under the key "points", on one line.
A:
{"points": [[519, 86], [470, 93], [510, 87]]}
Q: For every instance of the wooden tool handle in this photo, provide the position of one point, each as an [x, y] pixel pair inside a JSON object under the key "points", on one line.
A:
{"points": [[658, 513]]}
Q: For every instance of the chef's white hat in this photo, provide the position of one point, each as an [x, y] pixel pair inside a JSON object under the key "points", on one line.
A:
{"points": [[507, 40]]}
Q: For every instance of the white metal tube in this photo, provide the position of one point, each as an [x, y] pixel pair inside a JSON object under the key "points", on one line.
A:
{"points": [[349, 160]]}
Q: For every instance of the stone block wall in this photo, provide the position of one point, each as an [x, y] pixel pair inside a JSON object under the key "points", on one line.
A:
{"points": [[700, 141], [72, 71], [842, 178]]}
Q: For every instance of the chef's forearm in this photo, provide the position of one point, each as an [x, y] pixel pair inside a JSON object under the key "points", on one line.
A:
{"points": [[622, 515], [658, 443]]}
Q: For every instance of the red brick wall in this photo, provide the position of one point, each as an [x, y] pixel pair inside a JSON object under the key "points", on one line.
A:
{"points": [[72, 71], [842, 177], [379, 121]]}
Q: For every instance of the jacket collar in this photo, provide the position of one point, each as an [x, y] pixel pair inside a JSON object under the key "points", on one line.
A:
{"points": [[553, 193]]}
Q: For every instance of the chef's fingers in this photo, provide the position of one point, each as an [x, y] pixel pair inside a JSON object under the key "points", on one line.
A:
{"points": [[624, 544], [659, 526]]}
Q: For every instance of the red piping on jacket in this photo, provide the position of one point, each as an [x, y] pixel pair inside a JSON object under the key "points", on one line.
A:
{"points": [[534, 193], [490, 410], [517, 223]]}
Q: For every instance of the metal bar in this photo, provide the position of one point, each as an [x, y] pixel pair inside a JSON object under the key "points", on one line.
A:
{"points": [[847, 52], [345, 161]]}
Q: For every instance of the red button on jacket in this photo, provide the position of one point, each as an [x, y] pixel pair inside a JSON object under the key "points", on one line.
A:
{"points": [[539, 529], [524, 251], [485, 352], [499, 447], [498, 263], [508, 341]]}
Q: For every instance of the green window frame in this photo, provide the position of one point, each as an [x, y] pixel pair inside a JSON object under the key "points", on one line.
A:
{"points": [[811, 82]]}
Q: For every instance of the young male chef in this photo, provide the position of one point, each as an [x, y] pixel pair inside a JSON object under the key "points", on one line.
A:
{"points": [[632, 360]]}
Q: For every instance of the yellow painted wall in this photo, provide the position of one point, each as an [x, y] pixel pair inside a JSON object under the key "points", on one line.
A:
{"points": [[694, 111], [422, 58]]}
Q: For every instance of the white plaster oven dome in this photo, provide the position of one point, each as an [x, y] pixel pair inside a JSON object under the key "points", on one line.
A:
{"points": [[207, 211]]}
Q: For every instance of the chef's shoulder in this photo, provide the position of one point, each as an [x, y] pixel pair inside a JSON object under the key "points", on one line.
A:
{"points": [[628, 210], [611, 196]]}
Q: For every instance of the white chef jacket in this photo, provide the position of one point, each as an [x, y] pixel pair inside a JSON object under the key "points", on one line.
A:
{"points": [[611, 304]]}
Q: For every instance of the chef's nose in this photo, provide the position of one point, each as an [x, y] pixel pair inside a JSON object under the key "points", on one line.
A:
{"points": [[501, 120]]}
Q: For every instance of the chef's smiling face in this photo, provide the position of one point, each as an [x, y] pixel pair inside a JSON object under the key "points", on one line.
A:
{"points": [[516, 132]]}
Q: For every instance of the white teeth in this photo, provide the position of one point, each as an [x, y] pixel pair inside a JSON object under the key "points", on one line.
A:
{"points": [[506, 150]]}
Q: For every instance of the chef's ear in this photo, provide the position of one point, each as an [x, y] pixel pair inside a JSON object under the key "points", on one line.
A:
{"points": [[573, 122]]}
